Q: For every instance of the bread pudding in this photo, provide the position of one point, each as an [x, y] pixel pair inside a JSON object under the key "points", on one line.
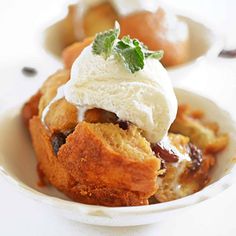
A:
{"points": [[106, 131]]}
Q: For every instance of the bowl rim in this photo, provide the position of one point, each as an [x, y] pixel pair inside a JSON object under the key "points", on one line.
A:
{"points": [[206, 193]]}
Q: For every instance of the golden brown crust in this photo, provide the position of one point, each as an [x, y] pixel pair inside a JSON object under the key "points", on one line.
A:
{"points": [[89, 172], [48, 162], [103, 195], [87, 157], [62, 116], [50, 86], [30, 108]]}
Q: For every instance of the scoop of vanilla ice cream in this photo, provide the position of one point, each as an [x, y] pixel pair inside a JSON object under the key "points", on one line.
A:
{"points": [[145, 98]]}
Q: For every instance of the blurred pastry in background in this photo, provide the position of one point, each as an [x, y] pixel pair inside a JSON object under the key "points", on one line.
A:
{"points": [[155, 26]]}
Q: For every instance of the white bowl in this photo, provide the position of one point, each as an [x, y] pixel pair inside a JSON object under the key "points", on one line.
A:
{"points": [[203, 43], [18, 165]]}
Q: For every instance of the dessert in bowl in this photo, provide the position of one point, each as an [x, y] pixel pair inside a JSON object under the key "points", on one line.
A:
{"points": [[182, 39], [105, 133], [100, 127]]}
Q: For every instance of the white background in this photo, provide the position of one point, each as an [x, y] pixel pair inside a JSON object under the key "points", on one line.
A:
{"points": [[21, 24]]}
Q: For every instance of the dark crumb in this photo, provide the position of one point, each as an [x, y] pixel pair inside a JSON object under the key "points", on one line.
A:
{"points": [[228, 53], [42, 179], [163, 168], [58, 140], [163, 164], [166, 155], [196, 157], [68, 132], [123, 124], [152, 200], [29, 71]]}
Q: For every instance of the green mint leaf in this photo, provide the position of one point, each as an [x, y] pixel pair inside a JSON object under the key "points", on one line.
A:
{"points": [[154, 54], [131, 55], [127, 40], [103, 42]]}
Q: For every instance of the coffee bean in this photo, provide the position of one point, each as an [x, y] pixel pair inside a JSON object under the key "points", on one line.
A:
{"points": [[228, 53], [29, 71]]}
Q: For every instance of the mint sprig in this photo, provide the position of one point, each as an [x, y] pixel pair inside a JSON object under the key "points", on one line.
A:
{"points": [[131, 51], [104, 41], [154, 54]]}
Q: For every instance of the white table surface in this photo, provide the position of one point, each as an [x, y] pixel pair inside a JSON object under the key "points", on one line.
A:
{"points": [[20, 24]]}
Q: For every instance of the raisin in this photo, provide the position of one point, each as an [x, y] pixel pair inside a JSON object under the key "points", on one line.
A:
{"points": [[58, 140], [123, 124], [196, 157], [165, 154]]}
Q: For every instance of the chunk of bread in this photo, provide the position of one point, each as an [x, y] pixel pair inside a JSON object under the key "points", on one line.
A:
{"points": [[202, 135], [180, 179], [99, 164]]}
